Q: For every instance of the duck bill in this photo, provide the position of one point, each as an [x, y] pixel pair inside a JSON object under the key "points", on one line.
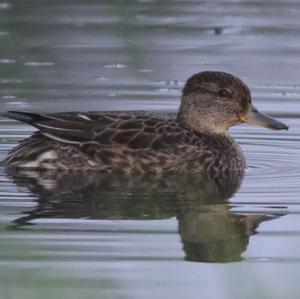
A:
{"points": [[254, 117]]}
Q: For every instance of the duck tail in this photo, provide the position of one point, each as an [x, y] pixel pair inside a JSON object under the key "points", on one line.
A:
{"points": [[25, 117]]}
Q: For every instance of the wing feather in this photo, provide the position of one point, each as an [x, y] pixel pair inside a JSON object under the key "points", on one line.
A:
{"points": [[105, 128]]}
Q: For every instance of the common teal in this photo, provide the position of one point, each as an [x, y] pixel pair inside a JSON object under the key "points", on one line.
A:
{"points": [[139, 142]]}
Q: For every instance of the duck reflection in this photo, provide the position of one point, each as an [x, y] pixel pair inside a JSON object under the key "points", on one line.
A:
{"points": [[209, 230]]}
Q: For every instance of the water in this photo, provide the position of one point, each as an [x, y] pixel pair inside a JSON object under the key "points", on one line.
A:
{"points": [[143, 238]]}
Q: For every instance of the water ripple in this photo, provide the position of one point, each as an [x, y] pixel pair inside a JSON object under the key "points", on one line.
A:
{"points": [[273, 166]]}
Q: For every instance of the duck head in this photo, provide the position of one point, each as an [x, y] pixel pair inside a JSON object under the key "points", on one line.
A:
{"points": [[213, 102]]}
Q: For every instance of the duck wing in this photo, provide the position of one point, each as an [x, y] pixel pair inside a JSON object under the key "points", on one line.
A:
{"points": [[133, 129]]}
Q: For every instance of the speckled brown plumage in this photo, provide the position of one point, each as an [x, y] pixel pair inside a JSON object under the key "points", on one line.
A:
{"points": [[197, 141]]}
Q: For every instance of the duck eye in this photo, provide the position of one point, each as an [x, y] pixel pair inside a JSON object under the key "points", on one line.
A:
{"points": [[223, 93]]}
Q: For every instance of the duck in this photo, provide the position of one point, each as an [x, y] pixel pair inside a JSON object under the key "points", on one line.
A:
{"points": [[197, 140]]}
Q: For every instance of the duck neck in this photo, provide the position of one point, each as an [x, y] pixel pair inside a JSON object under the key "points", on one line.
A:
{"points": [[197, 119]]}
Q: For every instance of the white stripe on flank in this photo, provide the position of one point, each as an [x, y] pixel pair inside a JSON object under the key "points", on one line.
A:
{"points": [[49, 155], [51, 136], [84, 117], [56, 128]]}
